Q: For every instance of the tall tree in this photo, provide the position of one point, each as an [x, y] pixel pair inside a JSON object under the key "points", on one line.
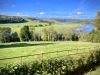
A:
{"points": [[48, 33], [25, 33], [15, 37]]}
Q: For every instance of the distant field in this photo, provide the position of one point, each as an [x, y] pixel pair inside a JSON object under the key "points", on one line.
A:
{"points": [[30, 48], [18, 26]]}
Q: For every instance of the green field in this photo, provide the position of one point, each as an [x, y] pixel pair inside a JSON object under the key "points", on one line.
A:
{"points": [[30, 48], [18, 26]]}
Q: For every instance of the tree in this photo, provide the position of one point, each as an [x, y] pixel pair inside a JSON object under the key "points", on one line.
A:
{"points": [[15, 37], [49, 34], [74, 36], [97, 21], [32, 33], [25, 33], [5, 34], [94, 35], [44, 34], [66, 35], [84, 37]]}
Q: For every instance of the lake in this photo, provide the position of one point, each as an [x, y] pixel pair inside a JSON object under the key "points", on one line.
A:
{"points": [[86, 28]]}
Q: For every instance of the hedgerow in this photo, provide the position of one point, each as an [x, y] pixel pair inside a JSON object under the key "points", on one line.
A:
{"points": [[68, 65]]}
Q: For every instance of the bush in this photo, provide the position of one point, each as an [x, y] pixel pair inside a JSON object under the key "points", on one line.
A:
{"points": [[40, 25], [35, 26]]}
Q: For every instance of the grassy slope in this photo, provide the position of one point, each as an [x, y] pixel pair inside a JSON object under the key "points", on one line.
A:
{"points": [[18, 26], [95, 72], [7, 50]]}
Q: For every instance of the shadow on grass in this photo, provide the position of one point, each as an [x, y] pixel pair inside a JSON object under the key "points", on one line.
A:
{"points": [[23, 45]]}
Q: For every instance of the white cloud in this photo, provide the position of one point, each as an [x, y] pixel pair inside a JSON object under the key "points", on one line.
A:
{"points": [[80, 13], [13, 6], [42, 13], [19, 13]]}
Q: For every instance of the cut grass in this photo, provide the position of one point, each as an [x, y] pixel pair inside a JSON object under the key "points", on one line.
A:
{"points": [[30, 48]]}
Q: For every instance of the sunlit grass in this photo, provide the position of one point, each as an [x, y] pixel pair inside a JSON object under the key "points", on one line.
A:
{"points": [[17, 26], [30, 48]]}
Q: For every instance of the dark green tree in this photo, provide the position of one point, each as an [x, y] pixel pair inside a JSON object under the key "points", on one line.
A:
{"points": [[74, 36], [32, 33], [5, 34], [14, 37], [25, 33]]}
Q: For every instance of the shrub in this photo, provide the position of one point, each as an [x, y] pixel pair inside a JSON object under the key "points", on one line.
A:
{"points": [[40, 25]]}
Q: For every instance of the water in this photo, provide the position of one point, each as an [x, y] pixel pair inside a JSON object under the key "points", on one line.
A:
{"points": [[86, 28]]}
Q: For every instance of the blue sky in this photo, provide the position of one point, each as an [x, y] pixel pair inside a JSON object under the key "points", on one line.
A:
{"points": [[51, 8]]}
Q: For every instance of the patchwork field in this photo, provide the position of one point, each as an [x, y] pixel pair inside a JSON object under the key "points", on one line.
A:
{"points": [[29, 48]]}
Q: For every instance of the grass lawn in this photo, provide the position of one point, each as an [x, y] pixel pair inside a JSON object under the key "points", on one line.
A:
{"points": [[30, 48]]}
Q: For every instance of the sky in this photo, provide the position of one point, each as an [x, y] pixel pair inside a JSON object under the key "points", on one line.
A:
{"points": [[81, 9]]}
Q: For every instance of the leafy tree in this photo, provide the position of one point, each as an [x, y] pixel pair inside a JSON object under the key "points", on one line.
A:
{"points": [[15, 37], [60, 36], [94, 35], [25, 33], [5, 34], [74, 36], [37, 36], [84, 37], [48, 34], [97, 21], [44, 34], [66, 36], [32, 33]]}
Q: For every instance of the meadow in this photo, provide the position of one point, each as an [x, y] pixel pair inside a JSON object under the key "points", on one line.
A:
{"points": [[30, 48], [20, 49], [17, 26]]}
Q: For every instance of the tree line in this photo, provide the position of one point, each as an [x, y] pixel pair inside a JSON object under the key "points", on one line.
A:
{"points": [[7, 36], [11, 19], [28, 34]]}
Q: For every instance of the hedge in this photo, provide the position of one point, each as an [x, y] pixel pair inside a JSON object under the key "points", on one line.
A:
{"points": [[67, 65]]}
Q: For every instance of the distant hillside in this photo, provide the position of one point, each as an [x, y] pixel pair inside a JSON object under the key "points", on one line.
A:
{"points": [[18, 19], [11, 19], [87, 21]]}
